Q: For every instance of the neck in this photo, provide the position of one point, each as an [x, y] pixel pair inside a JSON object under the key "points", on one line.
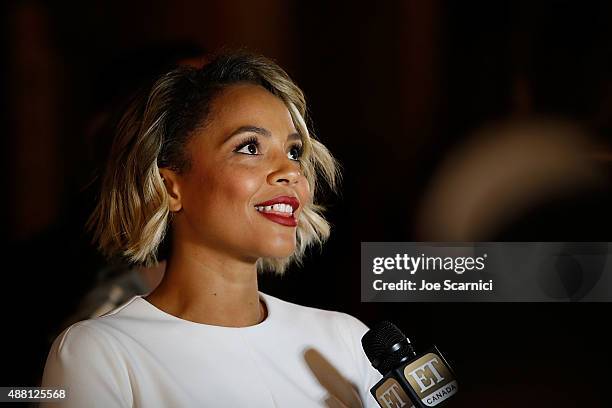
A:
{"points": [[205, 286]]}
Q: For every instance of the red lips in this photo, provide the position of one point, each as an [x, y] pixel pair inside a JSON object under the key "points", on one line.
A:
{"points": [[287, 220]]}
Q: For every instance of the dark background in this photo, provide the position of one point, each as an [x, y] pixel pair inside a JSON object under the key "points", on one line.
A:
{"points": [[393, 88]]}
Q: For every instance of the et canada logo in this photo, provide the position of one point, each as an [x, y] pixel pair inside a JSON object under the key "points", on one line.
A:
{"points": [[427, 379], [430, 379], [391, 395]]}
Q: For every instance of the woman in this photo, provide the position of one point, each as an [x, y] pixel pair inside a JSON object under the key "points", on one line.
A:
{"points": [[221, 158]]}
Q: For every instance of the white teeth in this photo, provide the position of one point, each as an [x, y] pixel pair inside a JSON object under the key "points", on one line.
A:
{"points": [[285, 208]]}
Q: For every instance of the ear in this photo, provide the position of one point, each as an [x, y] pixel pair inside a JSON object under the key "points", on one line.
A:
{"points": [[171, 181]]}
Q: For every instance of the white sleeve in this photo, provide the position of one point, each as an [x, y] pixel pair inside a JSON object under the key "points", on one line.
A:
{"points": [[355, 330], [86, 365]]}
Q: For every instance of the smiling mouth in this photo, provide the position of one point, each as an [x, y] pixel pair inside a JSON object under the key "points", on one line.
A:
{"points": [[280, 210]]}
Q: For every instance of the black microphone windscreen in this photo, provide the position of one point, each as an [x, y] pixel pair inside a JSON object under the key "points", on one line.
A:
{"points": [[386, 346]]}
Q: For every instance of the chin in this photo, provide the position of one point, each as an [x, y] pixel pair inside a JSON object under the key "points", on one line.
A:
{"points": [[281, 253], [281, 249]]}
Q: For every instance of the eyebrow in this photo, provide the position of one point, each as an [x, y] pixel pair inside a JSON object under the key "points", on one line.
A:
{"points": [[260, 131]]}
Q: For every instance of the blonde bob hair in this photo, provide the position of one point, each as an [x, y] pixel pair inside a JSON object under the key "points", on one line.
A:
{"points": [[132, 215]]}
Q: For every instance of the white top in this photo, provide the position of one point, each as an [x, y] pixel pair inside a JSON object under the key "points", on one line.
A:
{"points": [[140, 356]]}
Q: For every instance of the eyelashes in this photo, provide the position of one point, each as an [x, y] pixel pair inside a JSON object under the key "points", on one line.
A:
{"points": [[251, 146], [297, 148], [249, 142]]}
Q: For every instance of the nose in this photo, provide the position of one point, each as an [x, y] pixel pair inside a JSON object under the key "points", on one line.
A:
{"points": [[285, 171]]}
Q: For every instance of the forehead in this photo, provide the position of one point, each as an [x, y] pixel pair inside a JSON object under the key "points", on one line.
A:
{"points": [[248, 104]]}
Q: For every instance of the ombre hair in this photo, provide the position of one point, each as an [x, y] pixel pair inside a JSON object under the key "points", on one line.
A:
{"points": [[132, 216]]}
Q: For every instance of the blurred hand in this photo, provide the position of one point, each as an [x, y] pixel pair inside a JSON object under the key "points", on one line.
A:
{"points": [[342, 394]]}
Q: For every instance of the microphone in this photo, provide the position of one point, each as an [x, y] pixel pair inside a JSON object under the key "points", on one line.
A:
{"points": [[423, 380]]}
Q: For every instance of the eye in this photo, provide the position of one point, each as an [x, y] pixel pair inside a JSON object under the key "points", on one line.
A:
{"points": [[249, 146], [295, 152]]}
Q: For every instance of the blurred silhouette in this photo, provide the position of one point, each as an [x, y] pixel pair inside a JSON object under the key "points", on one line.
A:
{"points": [[116, 281], [504, 170], [65, 275]]}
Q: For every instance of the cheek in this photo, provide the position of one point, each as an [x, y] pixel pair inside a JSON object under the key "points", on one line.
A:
{"points": [[235, 187], [303, 191]]}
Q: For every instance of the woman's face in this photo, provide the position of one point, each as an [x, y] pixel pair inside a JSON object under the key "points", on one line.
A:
{"points": [[243, 162]]}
